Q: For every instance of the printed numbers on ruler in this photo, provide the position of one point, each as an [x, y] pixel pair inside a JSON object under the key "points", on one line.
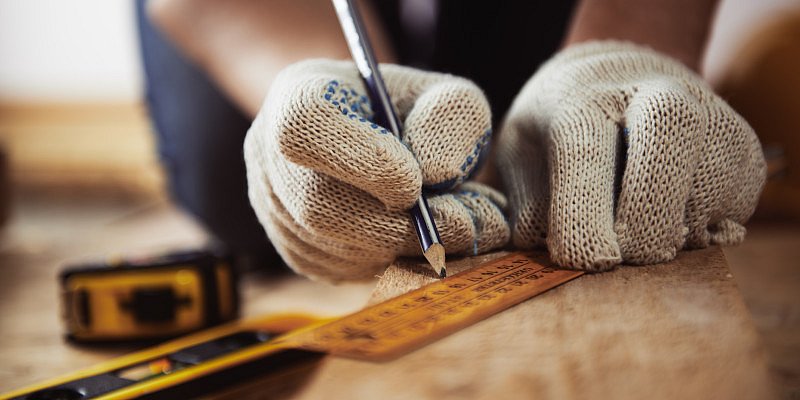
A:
{"points": [[404, 323]]}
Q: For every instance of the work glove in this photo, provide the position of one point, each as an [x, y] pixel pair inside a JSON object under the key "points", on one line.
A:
{"points": [[332, 189], [612, 152]]}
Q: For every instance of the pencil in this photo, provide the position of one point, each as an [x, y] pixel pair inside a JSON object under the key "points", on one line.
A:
{"points": [[385, 115]]}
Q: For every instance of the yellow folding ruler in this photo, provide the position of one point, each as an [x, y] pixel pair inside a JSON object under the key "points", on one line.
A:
{"points": [[204, 362]]}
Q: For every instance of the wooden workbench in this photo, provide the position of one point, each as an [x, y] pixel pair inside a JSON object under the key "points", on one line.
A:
{"points": [[678, 330], [673, 331]]}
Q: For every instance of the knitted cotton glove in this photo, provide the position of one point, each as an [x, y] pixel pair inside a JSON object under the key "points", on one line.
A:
{"points": [[608, 122], [332, 188]]}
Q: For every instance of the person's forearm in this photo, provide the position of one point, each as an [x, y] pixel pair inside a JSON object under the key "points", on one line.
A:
{"points": [[243, 44], [678, 28]]}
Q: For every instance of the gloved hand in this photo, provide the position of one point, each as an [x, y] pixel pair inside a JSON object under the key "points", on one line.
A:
{"points": [[332, 189], [690, 176]]}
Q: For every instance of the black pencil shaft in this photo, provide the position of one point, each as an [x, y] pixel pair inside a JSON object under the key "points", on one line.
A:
{"points": [[385, 114]]}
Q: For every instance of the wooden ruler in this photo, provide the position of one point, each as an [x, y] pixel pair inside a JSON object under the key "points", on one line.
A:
{"points": [[407, 322], [208, 360]]}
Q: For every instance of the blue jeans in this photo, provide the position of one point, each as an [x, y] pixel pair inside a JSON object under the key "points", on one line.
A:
{"points": [[200, 135]]}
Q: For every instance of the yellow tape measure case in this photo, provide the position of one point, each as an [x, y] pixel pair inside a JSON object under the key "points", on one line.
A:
{"points": [[148, 298]]}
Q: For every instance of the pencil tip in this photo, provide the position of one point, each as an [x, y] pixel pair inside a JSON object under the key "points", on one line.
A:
{"points": [[435, 256]]}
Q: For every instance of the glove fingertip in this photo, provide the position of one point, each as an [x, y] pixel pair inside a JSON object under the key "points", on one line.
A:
{"points": [[449, 130], [320, 134], [727, 233], [591, 256]]}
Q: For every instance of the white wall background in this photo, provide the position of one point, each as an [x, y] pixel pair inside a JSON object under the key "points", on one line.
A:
{"points": [[86, 50], [68, 51]]}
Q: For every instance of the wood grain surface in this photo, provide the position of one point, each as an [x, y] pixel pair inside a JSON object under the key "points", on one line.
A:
{"points": [[672, 331], [678, 330]]}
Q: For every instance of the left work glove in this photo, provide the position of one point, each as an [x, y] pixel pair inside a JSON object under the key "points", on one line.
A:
{"points": [[690, 176], [332, 189]]}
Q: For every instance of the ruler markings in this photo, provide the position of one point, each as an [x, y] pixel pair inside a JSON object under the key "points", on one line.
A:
{"points": [[410, 333], [460, 303], [415, 304], [389, 309], [489, 308], [401, 324]]}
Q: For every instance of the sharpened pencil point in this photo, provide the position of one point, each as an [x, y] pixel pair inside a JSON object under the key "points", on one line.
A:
{"points": [[360, 49], [435, 256]]}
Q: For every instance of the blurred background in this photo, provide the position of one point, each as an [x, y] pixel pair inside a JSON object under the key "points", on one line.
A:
{"points": [[80, 179], [71, 90]]}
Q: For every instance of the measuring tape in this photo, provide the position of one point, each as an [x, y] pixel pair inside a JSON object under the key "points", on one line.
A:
{"points": [[378, 333]]}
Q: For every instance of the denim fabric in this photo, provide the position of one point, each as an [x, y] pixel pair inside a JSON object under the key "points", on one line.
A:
{"points": [[200, 134]]}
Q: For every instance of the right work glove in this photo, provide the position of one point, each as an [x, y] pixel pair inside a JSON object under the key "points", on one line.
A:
{"points": [[612, 152], [332, 189]]}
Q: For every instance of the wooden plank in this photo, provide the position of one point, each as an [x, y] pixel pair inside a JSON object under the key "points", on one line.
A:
{"points": [[713, 351], [678, 330]]}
